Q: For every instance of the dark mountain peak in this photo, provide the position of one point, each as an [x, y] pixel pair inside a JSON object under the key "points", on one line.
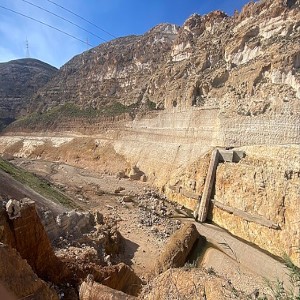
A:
{"points": [[28, 62]]}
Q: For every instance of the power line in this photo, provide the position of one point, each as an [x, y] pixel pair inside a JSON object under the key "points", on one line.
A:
{"points": [[54, 14], [82, 18], [41, 22]]}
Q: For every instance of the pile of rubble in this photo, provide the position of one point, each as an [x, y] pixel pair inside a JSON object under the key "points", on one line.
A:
{"points": [[155, 213], [83, 236]]}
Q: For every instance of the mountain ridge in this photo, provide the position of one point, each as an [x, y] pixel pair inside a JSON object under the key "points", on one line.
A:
{"points": [[19, 80]]}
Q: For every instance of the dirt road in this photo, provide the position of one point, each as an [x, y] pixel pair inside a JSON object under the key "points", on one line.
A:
{"points": [[14, 189]]}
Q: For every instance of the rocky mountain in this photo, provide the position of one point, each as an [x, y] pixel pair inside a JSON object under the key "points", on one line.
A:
{"points": [[248, 64], [103, 75], [19, 80]]}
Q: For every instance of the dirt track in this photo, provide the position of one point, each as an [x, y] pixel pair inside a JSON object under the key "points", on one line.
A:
{"points": [[11, 187]]}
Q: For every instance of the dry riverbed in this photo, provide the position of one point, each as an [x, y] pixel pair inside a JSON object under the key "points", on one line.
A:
{"points": [[144, 218]]}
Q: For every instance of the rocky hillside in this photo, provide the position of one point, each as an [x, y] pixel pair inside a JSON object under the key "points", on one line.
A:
{"points": [[19, 80], [248, 64]]}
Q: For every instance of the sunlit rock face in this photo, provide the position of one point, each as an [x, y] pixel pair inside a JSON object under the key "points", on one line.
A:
{"points": [[247, 64], [116, 71], [24, 231]]}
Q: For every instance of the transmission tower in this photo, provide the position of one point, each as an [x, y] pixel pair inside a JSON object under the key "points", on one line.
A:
{"points": [[27, 49]]}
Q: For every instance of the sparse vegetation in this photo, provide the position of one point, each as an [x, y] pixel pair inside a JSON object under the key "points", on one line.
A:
{"points": [[151, 105], [71, 111], [4, 121], [278, 291], [190, 265], [38, 184]]}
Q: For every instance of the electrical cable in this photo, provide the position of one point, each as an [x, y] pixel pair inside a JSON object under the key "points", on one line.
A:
{"points": [[41, 22], [82, 18], [60, 17]]}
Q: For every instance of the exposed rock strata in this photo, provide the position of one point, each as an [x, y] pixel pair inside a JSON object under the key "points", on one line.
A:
{"points": [[102, 75], [224, 81], [27, 235], [243, 64], [185, 183], [266, 184]]}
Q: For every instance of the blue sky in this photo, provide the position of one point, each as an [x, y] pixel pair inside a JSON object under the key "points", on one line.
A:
{"points": [[119, 17]]}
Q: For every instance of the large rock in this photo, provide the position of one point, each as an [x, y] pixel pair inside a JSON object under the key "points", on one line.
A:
{"points": [[28, 236], [90, 290], [13, 208], [135, 173], [18, 278], [122, 278], [83, 263], [177, 248], [191, 283], [6, 234], [68, 223]]}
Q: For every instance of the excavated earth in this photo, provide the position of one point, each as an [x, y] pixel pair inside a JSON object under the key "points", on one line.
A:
{"points": [[131, 224]]}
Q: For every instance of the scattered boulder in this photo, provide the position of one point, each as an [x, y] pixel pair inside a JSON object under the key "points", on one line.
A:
{"points": [[128, 198], [144, 178], [177, 248], [98, 218], [13, 209], [7, 156], [121, 175], [119, 189], [135, 173], [69, 223], [75, 222]]}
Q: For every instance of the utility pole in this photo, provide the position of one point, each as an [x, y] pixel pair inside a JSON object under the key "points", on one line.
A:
{"points": [[27, 49]]}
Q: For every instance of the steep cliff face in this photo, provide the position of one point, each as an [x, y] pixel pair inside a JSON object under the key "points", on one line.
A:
{"points": [[19, 80], [26, 234], [247, 64], [265, 185], [104, 75]]}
